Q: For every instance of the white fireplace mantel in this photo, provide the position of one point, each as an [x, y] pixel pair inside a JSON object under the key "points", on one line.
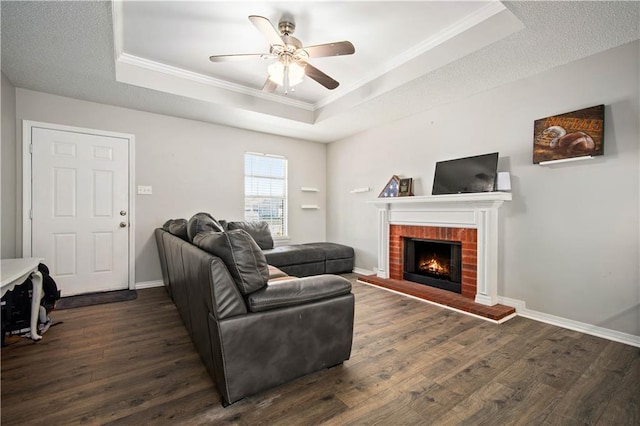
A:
{"points": [[477, 210], [473, 199]]}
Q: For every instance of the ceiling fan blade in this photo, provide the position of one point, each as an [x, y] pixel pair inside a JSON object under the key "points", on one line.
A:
{"points": [[330, 49], [239, 57], [317, 75], [269, 86], [267, 30]]}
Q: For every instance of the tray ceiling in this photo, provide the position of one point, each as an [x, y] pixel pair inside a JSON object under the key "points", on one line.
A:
{"points": [[395, 43]]}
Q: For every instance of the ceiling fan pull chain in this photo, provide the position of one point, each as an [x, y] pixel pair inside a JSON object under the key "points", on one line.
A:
{"points": [[286, 79]]}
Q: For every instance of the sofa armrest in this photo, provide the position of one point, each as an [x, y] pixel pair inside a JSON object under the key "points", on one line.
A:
{"points": [[280, 294], [261, 350]]}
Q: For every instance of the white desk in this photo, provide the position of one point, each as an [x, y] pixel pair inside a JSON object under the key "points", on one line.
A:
{"points": [[14, 272]]}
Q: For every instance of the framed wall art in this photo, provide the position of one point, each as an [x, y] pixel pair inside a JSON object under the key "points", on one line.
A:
{"points": [[569, 135], [406, 187]]}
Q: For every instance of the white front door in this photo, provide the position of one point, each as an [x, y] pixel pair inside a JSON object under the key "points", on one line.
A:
{"points": [[80, 209]]}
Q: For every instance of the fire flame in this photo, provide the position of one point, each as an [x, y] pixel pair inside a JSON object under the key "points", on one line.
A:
{"points": [[432, 265]]}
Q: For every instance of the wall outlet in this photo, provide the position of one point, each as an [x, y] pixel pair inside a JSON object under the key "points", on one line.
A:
{"points": [[145, 190]]}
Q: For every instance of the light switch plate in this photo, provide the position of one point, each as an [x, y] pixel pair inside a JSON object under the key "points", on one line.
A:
{"points": [[145, 190]]}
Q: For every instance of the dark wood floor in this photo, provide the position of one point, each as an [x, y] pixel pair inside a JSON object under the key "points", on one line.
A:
{"points": [[412, 363]]}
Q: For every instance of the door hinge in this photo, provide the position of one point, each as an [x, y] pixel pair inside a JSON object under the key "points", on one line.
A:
{"points": [[30, 148], [31, 214]]}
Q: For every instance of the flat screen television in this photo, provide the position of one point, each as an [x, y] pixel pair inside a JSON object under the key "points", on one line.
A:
{"points": [[465, 175]]}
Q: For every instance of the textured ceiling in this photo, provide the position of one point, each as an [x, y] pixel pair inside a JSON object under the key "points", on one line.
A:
{"points": [[67, 48]]}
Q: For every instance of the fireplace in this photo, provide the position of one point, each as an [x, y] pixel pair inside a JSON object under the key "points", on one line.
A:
{"points": [[434, 263], [463, 242], [471, 219]]}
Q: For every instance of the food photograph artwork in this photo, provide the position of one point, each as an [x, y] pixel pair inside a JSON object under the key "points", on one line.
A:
{"points": [[573, 134]]}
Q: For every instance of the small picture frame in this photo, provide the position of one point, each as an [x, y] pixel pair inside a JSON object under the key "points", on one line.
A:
{"points": [[405, 187]]}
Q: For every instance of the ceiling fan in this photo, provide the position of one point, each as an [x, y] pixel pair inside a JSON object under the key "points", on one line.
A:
{"points": [[291, 64]]}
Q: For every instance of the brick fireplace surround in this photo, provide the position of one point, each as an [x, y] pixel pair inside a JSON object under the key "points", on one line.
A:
{"points": [[468, 237], [471, 219]]}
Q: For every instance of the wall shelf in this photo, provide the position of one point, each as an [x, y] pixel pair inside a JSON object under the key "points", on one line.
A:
{"points": [[309, 189], [310, 207], [360, 190], [565, 160]]}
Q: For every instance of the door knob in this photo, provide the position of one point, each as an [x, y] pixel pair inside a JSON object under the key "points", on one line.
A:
{"points": [[123, 224], [123, 212]]}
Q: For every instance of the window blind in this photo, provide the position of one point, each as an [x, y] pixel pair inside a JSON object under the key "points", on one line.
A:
{"points": [[265, 191]]}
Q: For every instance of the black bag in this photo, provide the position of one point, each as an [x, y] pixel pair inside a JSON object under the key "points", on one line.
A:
{"points": [[16, 305], [50, 292], [16, 309]]}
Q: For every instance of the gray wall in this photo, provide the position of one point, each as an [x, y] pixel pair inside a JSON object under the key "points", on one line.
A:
{"points": [[192, 166], [570, 237], [8, 158]]}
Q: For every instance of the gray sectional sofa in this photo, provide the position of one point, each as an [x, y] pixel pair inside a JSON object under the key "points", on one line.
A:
{"points": [[254, 326]]}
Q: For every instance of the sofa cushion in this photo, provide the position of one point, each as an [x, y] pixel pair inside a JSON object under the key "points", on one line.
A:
{"points": [[333, 250], [338, 266], [202, 222], [280, 294], [177, 227], [259, 230], [293, 255], [305, 269], [242, 256]]}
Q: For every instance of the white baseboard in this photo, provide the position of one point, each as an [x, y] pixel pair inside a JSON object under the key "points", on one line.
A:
{"points": [[363, 271], [594, 330], [149, 284]]}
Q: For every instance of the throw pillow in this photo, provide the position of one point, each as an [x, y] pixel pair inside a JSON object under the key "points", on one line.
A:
{"points": [[202, 222], [259, 230], [177, 227], [242, 256]]}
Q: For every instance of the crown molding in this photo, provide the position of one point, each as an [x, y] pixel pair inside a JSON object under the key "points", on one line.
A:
{"points": [[139, 62], [121, 56], [118, 27]]}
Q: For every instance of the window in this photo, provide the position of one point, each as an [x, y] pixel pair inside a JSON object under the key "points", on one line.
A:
{"points": [[265, 191]]}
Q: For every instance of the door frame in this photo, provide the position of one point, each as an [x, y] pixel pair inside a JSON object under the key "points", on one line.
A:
{"points": [[27, 126]]}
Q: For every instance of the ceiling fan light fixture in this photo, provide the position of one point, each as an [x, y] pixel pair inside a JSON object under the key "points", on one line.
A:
{"points": [[291, 56], [295, 73]]}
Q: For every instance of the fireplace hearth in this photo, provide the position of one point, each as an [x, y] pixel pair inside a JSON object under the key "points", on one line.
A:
{"points": [[434, 263]]}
